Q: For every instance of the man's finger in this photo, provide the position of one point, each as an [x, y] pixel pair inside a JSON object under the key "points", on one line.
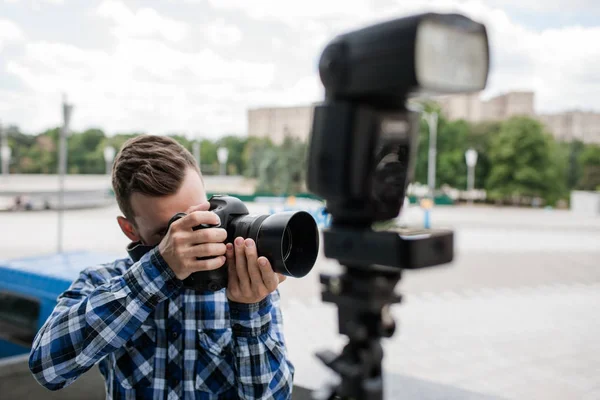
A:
{"points": [[253, 271], [267, 274], [197, 218], [206, 250], [209, 235], [240, 264], [208, 264], [281, 277], [205, 206], [233, 278]]}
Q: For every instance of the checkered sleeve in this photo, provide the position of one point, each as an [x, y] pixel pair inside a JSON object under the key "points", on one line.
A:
{"points": [[263, 368], [96, 315]]}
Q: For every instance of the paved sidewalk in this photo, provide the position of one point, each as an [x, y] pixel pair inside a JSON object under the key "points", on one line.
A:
{"points": [[536, 342], [516, 315]]}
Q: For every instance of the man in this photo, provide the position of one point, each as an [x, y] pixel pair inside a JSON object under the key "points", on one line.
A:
{"points": [[152, 337]]}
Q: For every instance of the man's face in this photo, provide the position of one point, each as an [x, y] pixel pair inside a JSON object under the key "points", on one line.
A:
{"points": [[152, 214]]}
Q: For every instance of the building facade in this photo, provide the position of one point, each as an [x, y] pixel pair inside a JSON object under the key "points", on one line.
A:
{"points": [[573, 125], [471, 108], [279, 122], [564, 126]]}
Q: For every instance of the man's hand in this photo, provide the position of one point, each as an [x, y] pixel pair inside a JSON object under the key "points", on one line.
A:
{"points": [[251, 278], [181, 246]]}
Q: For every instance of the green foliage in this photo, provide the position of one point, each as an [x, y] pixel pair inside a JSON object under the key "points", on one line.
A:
{"points": [[574, 171], [85, 155], [451, 168], [589, 160], [208, 153], [526, 162], [253, 155], [280, 169], [516, 158]]}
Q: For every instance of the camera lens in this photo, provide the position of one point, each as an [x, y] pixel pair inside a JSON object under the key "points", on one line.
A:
{"points": [[286, 244], [290, 239]]}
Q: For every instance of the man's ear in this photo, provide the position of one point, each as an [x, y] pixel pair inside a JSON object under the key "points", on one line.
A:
{"points": [[128, 229]]}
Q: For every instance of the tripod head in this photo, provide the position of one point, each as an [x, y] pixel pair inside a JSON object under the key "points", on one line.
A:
{"points": [[361, 158]]}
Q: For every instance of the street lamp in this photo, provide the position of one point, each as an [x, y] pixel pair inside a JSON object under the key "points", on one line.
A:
{"points": [[196, 151], [109, 156], [471, 159], [67, 110], [432, 121], [5, 152], [222, 155]]}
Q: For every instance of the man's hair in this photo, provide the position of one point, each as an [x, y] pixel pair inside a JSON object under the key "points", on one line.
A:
{"points": [[150, 165]]}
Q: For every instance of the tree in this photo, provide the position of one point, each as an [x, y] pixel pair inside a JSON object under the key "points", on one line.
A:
{"points": [[86, 153], [42, 156], [574, 172], [208, 157], [281, 169], [451, 168], [253, 155], [526, 162], [119, 139], [20, 145], [590, 165]]}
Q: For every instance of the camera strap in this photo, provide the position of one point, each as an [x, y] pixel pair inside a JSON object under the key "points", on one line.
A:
{"points": [[136, 250]]}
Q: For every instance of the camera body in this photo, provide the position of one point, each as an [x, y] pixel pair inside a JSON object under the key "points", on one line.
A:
{"points": [[289, 240]]}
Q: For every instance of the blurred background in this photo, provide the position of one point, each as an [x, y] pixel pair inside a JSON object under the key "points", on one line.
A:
{"points": [[514, 170]]}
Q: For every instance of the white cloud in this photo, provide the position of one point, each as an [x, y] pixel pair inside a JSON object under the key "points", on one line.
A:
{"points": [[143, 22], [9, 32], [157, 76], [558, 64], [295, 9], [306, 90], [221, 33], [142, 84], [37, 4], [568, 6]]}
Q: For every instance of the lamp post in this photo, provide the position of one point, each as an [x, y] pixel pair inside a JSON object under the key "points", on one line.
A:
{"points": [[222, 155], [109, 156], [62, 168], [5, 151], [432, 121], [196, 151], [471, 160]]}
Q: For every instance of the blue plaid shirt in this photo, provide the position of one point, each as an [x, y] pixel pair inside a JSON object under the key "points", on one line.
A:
{"points": [[154, 339]]}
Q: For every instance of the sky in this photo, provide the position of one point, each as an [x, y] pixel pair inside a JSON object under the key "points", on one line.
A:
{"points": [[196, 66]]}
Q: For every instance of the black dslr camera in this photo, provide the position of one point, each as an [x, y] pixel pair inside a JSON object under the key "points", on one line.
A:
{"points": [[289, 240], [361, 159]]}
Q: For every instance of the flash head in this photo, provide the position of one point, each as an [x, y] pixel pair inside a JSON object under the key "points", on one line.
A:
{"points": [[426, 53], [363, 142]]}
